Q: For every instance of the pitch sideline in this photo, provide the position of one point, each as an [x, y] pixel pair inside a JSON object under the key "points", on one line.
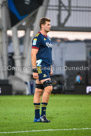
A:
{"points": [[44, 130]]}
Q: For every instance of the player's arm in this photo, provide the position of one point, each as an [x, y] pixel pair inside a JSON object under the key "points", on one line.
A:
{"points": [[33, 59]]}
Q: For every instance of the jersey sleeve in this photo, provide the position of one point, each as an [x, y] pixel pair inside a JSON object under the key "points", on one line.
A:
{"points": [[36, 42]]}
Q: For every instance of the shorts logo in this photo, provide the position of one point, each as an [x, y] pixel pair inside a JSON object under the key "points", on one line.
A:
{"points": [[44, 75], [34, 41]]}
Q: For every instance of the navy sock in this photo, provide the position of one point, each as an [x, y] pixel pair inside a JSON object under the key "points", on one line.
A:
{"points": [[43, 109], [37, 110]]}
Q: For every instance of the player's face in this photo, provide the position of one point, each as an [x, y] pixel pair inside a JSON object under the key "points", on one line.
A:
{"points": [[47, 26]]}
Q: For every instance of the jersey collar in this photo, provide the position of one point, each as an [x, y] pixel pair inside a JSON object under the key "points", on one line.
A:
{"points": [[42, 34]]}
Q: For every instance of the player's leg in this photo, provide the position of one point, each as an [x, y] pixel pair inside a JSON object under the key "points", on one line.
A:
{"points": [[38, 91], [45, 98], [37, 96], [47, 84]]}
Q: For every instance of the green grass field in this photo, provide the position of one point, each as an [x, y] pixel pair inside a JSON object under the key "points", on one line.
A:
{"points": [[65, 112]]}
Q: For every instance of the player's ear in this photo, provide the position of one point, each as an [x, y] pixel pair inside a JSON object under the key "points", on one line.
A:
{"points": [[42, 26]]}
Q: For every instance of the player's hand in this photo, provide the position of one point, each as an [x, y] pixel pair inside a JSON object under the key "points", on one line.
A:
{"points": [[35, 75]]}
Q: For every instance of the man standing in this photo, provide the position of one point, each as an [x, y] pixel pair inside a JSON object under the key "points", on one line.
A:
{"points": [[41, 56]]}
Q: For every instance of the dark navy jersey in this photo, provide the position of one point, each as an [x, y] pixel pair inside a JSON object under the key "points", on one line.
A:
{"points": [[44, 46]]}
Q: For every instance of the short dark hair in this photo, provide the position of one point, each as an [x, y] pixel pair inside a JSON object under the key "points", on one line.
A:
{"points": [[43, 21]]}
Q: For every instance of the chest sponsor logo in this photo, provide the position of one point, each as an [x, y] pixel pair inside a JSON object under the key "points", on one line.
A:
{"points": [[49, 45]]}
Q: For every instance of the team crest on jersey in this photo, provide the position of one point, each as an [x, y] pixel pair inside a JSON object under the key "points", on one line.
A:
{"points": [[34, 41], [44, 39]]}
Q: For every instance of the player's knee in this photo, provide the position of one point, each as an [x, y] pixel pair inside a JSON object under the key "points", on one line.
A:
{"points": [[49, 89]]}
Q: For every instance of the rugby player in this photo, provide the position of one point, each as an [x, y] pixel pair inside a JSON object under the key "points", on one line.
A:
{"points": [[41, 57]]}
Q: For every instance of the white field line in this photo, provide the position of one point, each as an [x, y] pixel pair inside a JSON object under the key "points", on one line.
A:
{"points": [[44, 130]]}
